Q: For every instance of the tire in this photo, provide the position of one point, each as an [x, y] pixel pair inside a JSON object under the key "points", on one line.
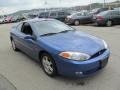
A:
{"points": [[48, 65], [14, 46], [96, 24], [109, 23], [76, 22]]}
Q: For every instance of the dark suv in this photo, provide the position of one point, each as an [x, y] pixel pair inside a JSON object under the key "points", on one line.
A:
{"points": [[59, 15], [108, 18]]}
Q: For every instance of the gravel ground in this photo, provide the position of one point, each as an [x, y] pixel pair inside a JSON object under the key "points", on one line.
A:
{"points": [[26, 74]]}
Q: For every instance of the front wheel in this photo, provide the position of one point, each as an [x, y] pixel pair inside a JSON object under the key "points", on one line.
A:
{"points": [[48, 65], [14, 46], [76, 22], [109, 23]]}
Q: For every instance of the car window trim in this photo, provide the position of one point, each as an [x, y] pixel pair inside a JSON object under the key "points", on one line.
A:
{"points": [[22, 28]]}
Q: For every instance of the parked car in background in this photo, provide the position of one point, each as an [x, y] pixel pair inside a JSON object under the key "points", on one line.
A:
{"points": [[20, 18], [108, 18], [32, 16], [43, 15], [59, 15], [117, 8], [17, 19], [79, 18], [2, 20], [60, 48], [8, 19], [14, 19], [99, 10]]}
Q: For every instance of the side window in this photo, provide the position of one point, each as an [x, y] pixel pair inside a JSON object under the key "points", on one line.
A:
{"points": [[26, 29], [119, 13], [53, 14], [44, 14], [61, 13], [67, 13], [19, 27], [87, 14], [114, 13], [79, 14]]}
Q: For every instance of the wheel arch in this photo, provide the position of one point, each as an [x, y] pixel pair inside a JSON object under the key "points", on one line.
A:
{"points": [[41, 52], [11, 38], [44, 51]]}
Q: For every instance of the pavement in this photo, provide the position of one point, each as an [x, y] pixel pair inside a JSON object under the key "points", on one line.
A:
{"points": [[5, 84], [18, 71]]}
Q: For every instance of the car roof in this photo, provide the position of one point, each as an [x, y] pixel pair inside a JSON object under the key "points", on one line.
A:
{"points": [[38, 20], [110, 10]]}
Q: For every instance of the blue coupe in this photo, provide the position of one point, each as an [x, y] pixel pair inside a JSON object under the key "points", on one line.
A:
{"points": [[60, 48]]}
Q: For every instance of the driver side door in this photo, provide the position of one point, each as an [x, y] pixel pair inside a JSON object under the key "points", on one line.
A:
{"points": [[28, 41]]}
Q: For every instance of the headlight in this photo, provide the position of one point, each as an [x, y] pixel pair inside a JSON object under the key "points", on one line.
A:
{"points": [[105, 44], [75, 55]]}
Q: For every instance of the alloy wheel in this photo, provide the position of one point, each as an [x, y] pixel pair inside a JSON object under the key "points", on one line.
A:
{"points": [[109, 23], [47, 65], [77, 22], [13, 45]]}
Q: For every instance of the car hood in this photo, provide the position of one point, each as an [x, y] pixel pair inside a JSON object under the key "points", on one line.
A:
{"points": [[75, 41]]}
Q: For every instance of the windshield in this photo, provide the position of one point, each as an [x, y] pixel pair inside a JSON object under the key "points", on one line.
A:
{"points": [[95, 10], [51, 26]]}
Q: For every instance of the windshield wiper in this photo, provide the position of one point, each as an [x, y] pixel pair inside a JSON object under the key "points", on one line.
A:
{"points": [[66, 31], [47, 34]]}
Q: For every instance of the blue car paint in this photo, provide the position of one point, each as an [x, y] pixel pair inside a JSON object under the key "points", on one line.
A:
{"points": [[70, 41], [70, 67], [75, 41]]}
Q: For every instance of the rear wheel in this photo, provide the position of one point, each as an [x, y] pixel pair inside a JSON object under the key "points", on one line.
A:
{"points": [[13, 45], [96, 24], [109, 23], [76, 22], [48, 65]]}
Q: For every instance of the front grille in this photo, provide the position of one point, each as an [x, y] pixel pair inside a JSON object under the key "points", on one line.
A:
{"points": [[98, 53]]}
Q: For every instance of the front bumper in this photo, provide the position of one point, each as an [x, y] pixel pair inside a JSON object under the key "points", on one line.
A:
{"points": [[99, 22], [69, 21], [71, 68]]}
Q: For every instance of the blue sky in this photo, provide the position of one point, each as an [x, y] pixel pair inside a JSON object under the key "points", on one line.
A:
{"points": [[15, 5]]}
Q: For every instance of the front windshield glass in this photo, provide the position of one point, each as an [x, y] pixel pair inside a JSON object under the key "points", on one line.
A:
{"points": [[50, 26]]}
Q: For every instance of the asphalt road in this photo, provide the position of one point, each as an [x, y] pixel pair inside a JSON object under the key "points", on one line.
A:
{"points": [[26, 74]]}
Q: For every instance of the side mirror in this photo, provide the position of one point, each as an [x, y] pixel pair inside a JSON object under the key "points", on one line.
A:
{"points": [[29, 37]]}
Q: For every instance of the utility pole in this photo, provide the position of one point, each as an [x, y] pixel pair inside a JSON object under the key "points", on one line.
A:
{"points": [[60, 1], [117, 4], [2, 12], [45, 3], [104, 4], [90, 5]]}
